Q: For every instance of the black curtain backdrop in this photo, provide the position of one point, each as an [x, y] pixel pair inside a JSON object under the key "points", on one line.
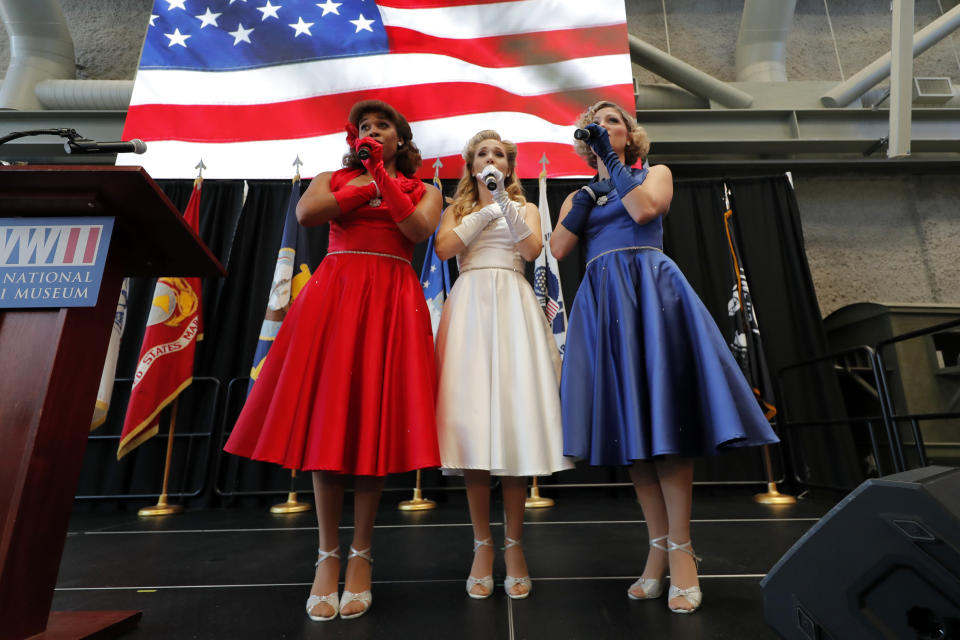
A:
{"points": [[242, 224]]}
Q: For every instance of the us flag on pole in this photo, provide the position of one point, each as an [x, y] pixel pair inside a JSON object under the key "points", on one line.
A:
{"points": [[249, 84]]}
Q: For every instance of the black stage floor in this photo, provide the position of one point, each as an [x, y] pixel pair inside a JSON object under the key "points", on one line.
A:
{"points": [[244, 573]]}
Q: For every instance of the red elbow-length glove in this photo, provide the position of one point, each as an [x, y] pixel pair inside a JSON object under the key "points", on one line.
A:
{"points": [[399, 203]]}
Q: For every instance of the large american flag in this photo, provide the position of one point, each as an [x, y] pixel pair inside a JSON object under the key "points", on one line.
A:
{"points": [[248, 85]]}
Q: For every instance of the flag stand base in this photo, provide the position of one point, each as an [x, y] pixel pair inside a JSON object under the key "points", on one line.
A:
{"points": [[418, 503], [162, 508], [536, 501], [772, 496], [291, 505]]}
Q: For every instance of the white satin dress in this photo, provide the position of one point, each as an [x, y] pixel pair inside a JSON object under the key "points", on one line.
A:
{"points": [[498, 405]]}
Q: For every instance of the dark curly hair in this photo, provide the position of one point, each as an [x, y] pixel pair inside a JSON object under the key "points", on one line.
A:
{"points": [[408, 156]]}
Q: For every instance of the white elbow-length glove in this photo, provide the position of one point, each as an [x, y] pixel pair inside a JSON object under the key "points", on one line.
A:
{"points": [[512, 211], [472, 224]]}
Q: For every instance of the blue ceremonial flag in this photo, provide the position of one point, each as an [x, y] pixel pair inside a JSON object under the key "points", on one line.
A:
{"points": [[435, 274], [546, 274], [289, 276]]}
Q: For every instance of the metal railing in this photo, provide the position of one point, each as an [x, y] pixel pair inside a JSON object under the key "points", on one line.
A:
{"points": [[887, 418], [913, 418], [788, 424], [193, 439]]}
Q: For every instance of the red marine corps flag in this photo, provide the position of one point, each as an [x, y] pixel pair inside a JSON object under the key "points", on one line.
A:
{"points": [[165, 366]]}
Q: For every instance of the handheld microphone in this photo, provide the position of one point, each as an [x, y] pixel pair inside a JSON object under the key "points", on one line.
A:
{"points": [[363, 152], [82, 145], [581, 134], [488, 178]]}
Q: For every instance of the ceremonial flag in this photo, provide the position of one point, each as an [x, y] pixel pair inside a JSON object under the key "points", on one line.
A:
{"points": [[435, 273], [110, 364], [165, 365], [247, 85], [746, 344], [546, 278], [291, 273]]}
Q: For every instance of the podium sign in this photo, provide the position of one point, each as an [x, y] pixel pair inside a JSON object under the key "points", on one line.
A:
{"points": [[52, 262]]}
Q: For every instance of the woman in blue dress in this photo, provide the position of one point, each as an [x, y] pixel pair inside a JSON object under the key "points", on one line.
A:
{"points": [[648, 380]]}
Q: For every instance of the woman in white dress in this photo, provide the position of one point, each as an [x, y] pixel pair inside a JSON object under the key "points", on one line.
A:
{"points": [[498, 408]]}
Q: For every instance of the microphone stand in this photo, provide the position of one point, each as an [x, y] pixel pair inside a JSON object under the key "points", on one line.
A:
{"points": [[70, 134]]}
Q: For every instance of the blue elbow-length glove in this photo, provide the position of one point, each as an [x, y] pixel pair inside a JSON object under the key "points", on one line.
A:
{"points": [[623, 179]]}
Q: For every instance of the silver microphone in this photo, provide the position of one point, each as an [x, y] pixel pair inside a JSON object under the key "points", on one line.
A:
{"points": [[488, 178], [91, 146]]}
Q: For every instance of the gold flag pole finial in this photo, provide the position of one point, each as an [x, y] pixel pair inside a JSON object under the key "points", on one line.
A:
{"points": [[418, 502], [543, 162], [536, 501], [291, 505], [163, 508]]}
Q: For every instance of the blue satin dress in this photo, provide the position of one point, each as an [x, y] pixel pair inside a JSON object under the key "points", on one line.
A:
{"points": [[646, 371]]}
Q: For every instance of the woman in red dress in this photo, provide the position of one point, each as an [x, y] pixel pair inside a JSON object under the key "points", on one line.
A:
{"points": [[349, 385]]}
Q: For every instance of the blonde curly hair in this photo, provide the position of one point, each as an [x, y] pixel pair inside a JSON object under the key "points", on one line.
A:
{"points": [[638, 142], [467, 196]]}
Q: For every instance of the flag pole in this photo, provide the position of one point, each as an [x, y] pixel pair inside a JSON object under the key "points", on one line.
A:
{"points": [[771, 496], [291, 505], [418, 502], [163, 508], [536, 501]]}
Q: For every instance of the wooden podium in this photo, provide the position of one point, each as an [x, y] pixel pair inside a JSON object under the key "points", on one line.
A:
{"points": [[50, 366]]}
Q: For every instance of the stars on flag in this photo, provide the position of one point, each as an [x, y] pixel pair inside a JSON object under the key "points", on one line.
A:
{"points": [[284, 32], [329, 7], [269, 11], [208, 19], [177, 38], [301, 27], [362, 24], [241, 35]]}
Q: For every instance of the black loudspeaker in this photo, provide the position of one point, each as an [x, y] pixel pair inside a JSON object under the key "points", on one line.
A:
{"points": [[883, 563]]}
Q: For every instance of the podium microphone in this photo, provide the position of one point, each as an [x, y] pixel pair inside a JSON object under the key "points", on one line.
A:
{"points": [[82, 145]]}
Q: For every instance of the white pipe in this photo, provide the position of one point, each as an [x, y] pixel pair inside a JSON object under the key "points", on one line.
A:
{"points": [[40, 49], [668, 96], [690, 78], [858, 84], [70, 95], [761, 43]]}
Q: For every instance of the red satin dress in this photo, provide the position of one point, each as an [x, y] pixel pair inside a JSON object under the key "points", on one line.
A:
{"points": [[350, 382]]}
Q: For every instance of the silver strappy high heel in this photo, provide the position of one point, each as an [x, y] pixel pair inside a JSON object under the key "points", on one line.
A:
{"points": [[487, 581], [366, 597], [509, 582], [331, 598], [651, 587], [693, 594]]}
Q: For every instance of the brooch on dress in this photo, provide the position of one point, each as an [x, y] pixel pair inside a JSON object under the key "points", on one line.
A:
{"points": [[376, 202], [602, 200]]}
